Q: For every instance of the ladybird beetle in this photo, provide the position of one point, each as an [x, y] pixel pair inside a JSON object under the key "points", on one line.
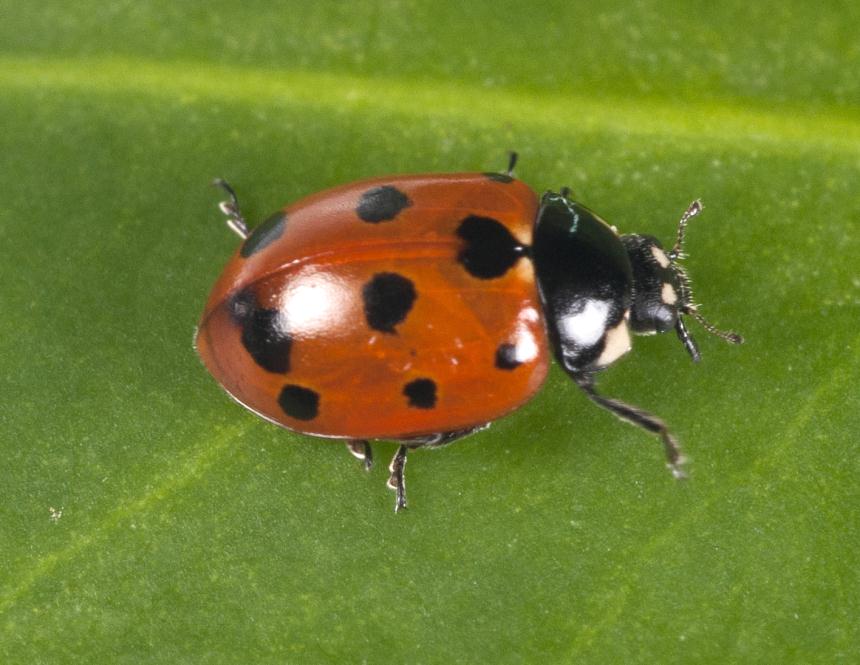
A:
{"points": [[419, 308]]}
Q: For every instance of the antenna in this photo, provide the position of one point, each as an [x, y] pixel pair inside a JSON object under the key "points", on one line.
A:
{"points": [[686, 295]]}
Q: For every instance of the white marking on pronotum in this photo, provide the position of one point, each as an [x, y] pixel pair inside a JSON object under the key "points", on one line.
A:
{"points": [[616, 345], [587, 327]]}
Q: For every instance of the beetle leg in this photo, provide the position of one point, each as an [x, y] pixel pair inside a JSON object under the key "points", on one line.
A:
{"points": [[442, 438], [632, 414], [360, 449], [512, 162], [687, 340], [230, 208], [396, 480]]}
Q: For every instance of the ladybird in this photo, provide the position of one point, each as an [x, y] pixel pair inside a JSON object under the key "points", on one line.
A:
{"points": [[420, 308]]}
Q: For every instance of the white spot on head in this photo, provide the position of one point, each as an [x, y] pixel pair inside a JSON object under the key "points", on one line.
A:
{"points": [[588, 326], [617, 343], [660, 256], [668, 295]]}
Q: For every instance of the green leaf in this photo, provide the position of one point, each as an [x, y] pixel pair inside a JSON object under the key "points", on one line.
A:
{"points": [[147, 518]]}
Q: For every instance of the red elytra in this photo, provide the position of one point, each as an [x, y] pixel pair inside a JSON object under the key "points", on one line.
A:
{"points": [[351, 313]]}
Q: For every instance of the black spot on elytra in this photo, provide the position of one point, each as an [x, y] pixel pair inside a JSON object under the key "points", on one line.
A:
{"points": [[264, 234], [490, 249], [299, 402], [264, 336], [499, 177], [421, 393], [506, 357], [388, 297], [381, 204], [264, 333]]}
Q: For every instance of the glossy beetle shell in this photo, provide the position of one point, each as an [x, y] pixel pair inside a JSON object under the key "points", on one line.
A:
{"points": [[386, 308]]}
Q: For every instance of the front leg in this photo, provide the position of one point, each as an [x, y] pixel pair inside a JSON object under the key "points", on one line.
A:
{"points": [[632, 414]]}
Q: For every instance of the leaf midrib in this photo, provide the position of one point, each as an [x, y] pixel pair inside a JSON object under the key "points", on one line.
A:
{"points": [[699, 122]]}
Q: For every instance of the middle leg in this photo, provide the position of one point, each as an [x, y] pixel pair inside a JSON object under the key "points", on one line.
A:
{"points": [[396, 480]]}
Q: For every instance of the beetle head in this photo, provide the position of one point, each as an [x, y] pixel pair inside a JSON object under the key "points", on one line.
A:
{"points": [[662, 295]]}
